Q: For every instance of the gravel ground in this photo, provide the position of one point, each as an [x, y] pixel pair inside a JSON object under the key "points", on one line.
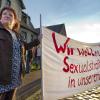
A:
{"points": [[93, 94], [35, 96]]}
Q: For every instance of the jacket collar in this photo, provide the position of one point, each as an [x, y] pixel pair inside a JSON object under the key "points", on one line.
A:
{"points": [[1, 26]]}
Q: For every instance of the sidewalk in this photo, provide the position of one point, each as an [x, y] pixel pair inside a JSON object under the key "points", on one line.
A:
{"points": [[30, 83], [32, 76]]}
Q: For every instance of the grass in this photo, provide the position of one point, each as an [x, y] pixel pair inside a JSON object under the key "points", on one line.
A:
{"points": [[33, 67]]}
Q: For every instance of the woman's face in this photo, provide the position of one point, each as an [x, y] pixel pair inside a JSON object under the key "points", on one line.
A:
{"points": [[7, 17]]}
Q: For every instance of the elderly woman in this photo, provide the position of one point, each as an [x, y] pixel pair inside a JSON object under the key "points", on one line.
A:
{"points": [[10, 54]]}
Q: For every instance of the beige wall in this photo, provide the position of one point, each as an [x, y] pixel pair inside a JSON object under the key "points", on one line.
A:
{"points": [[3, 2], [16, 6]]}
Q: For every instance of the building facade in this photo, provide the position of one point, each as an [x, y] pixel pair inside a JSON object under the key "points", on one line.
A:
{"points": [[27, 32]]}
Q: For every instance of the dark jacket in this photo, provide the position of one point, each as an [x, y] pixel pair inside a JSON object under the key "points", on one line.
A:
{"points": [[32, 44], [6, 50]]}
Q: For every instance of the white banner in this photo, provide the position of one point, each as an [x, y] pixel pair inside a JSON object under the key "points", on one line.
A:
{"points": [[68, 66]]}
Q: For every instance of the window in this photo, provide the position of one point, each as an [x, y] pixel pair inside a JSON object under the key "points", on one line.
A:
{"points": [[24, 19], [32, 37], [23, 36], [8, 2], [0, 3]]}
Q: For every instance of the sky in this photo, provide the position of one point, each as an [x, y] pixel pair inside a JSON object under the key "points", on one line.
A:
{"points": [[81, 17]]}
